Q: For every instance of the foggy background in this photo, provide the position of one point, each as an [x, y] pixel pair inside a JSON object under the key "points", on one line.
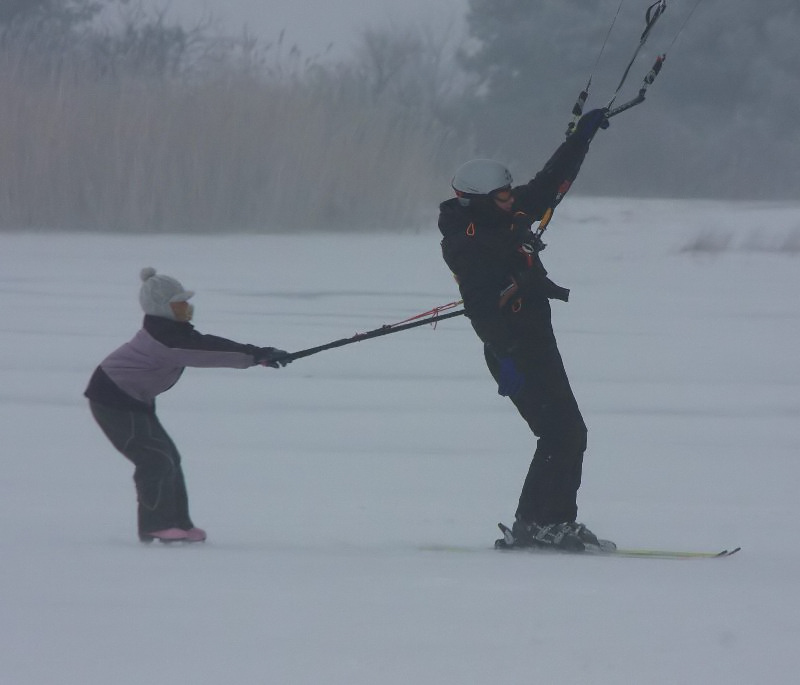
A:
{"points": [[125, 116]]}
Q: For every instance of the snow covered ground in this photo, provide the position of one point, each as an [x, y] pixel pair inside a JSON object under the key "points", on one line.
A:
{"points": [[321, 484]]}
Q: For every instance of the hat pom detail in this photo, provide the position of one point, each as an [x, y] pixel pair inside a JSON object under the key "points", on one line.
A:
{"points": [[147, 273]]}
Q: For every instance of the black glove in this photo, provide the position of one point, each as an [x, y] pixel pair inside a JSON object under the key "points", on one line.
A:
{"points": [[272, 357], [589, 124], [534, 245]]}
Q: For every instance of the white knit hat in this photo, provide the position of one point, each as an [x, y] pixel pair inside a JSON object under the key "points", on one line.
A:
{"points": [[158, 291]]}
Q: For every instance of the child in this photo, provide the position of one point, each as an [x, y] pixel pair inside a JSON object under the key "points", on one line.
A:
{"points": [[122, 394]]}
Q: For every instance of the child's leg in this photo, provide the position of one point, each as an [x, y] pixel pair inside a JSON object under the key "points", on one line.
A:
{"points": [[179, 487], [140, 437]]}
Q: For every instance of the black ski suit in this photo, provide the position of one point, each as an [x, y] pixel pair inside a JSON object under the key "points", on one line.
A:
{"points": [[494, 255]]}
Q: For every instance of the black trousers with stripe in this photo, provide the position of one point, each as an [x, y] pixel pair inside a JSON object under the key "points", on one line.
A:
{"points": [[548, 405], [160, 485]]}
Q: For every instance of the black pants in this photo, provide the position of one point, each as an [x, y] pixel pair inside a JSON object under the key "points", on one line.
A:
{"points": [[546, 402], [160, 486]]}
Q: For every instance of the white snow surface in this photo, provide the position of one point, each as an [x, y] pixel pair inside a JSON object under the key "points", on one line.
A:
{"points": [[321, 484]]}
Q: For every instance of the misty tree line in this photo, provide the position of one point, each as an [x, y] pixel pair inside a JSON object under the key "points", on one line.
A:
{"points": [[719, 121], [141, 124]]}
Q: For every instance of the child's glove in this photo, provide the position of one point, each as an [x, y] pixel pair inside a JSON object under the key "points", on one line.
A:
{"points": [[272, 357]]}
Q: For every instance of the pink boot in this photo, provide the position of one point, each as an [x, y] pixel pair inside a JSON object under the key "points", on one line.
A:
{"points": [[195, 535], [166, 535]]}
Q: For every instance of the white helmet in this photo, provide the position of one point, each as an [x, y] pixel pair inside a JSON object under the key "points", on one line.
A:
{"points": [[481, 177]]}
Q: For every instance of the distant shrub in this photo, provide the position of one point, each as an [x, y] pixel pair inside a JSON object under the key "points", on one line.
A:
{"points": [[714, 242], [708, 242], [156, 128]]}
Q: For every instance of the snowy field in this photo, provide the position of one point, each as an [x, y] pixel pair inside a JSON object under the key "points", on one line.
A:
{"points": [[321, 484]]}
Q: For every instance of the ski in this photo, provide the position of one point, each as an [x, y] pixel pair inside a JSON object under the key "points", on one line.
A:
{"points": [[608, 548], [634, 553], [671, 554]]}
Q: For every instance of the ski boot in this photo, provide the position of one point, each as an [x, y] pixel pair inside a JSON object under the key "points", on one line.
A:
{"points": [[567, 536]]}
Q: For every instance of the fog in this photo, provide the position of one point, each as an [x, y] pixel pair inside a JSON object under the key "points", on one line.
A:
{"points": [[317, 27], [246, 116]]}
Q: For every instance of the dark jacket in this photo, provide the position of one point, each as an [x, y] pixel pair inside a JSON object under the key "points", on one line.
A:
{"points": [[494, 255], [153, 360]]}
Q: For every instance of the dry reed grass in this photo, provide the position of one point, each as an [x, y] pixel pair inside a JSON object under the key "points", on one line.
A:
{"points": [[227, 151]]}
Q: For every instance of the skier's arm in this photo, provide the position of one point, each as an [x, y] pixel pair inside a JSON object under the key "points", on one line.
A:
{"points": [[553, 181], [550, 185]]}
